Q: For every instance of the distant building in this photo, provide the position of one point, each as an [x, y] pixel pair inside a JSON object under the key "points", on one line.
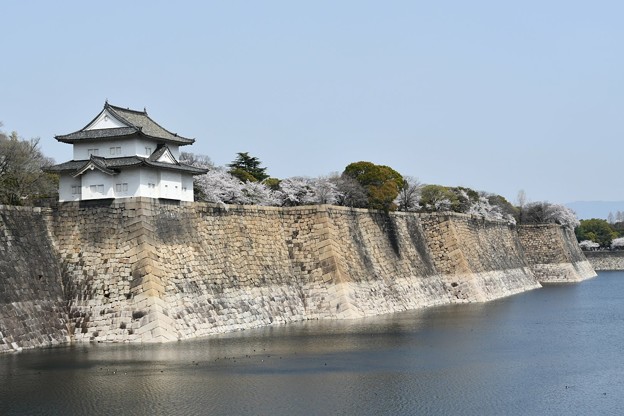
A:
{"points": [[123, 153]]}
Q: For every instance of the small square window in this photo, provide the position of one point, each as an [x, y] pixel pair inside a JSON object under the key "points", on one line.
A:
{"points": [[125, 187], [118, 187], [101, 189]]}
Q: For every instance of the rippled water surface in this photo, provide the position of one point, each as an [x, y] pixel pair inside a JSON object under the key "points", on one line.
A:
{"points": [[553, 351]]}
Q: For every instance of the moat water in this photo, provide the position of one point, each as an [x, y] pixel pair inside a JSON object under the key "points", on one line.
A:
{"points": [[553, 351]]}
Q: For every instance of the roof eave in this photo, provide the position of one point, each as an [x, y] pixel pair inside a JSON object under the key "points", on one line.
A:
{"points": [[65, 139], [163, 139]]}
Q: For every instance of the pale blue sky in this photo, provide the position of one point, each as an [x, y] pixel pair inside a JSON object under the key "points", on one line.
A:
{"points": [[493, 95]]}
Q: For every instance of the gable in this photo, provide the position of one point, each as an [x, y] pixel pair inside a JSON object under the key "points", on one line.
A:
{"points": [[163, 155], [167, 157], [92, 165], [106, 120]]}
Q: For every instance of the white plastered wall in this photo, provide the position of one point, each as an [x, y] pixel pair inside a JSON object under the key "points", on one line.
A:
{"points": [[96, 185], [187, 188], [149, 183], [127, 183], [127, 147], [66, 193], [170, 184]]}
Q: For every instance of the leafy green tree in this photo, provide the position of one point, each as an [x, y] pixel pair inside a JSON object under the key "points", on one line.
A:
{"points": [[247, 168], [597, 230], [242, 175], [506, 208], [438, 198], [618, 227], [382, 183], [22, 180], [272, 183], [465, 198]]}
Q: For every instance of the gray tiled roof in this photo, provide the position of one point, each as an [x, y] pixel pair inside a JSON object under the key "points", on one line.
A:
{"points": [[138, 122], [119, 163], [100, 163]]}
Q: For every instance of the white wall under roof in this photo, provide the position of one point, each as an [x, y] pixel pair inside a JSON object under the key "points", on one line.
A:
{"points": [[96, 185], [66, 190], [145, 182], [119, 148], [170, 185]]}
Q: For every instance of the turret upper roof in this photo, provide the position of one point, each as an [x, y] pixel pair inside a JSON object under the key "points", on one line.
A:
{"points": [[133, 123]]}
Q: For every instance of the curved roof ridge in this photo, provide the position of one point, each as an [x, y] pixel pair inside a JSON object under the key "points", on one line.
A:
{"points": [[116, 107], [113, 109]]}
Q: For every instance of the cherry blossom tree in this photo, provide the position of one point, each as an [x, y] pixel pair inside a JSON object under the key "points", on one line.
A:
{"points": [[256, 193], [590, 245], [349, 191], [325, 191], [618, 243], [199, 161], [484, 208], [308, 191], [218, 186], [563, 215]]}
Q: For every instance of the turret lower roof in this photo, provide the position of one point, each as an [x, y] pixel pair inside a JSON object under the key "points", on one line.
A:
{"points": [[119, 163]]}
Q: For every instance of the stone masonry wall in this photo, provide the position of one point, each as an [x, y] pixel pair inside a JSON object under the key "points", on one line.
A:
{"points": [[484, 256], [33, 309], [147, 271], [606, 260], [140, 270], [553, 254]]}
